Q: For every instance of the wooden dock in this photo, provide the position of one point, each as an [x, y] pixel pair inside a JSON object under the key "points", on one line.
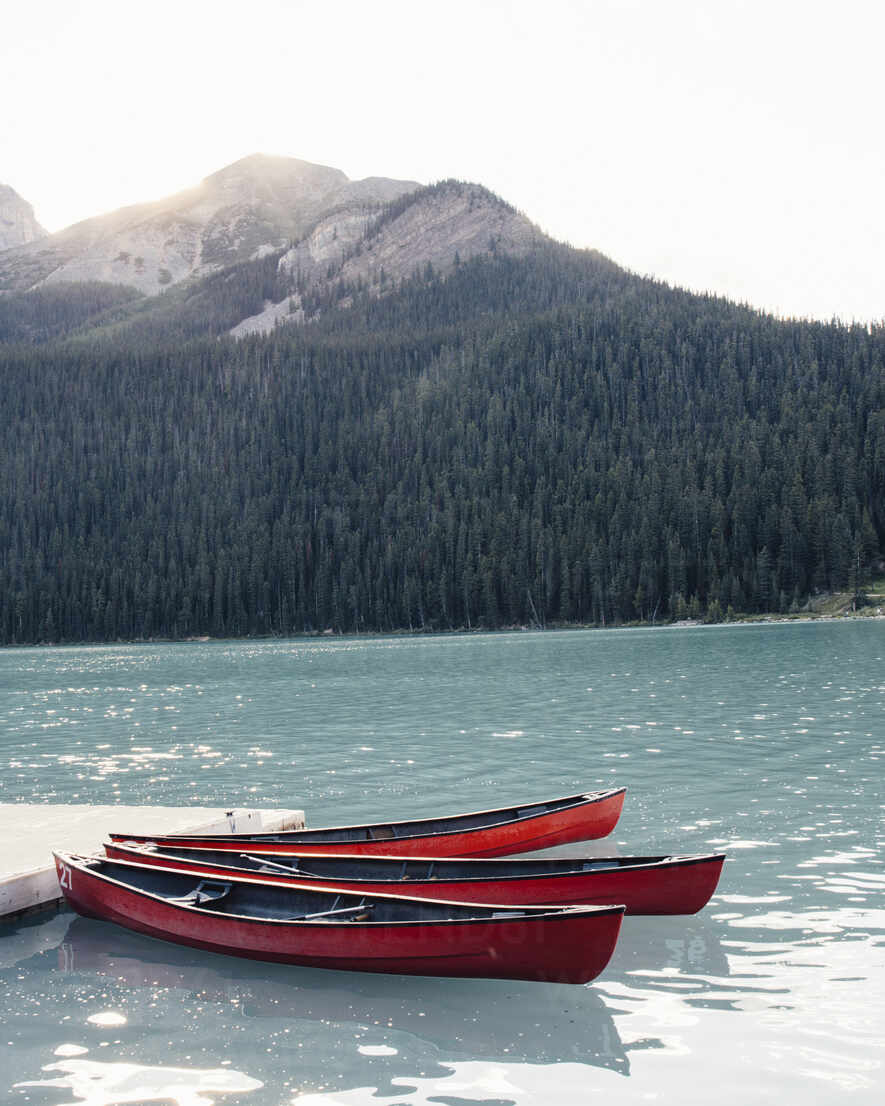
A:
{"points": [[29, 832]]}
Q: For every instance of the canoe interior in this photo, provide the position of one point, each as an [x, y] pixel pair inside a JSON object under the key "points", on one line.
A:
{"points": [[389, 831], [273, 902], [372, 869]]}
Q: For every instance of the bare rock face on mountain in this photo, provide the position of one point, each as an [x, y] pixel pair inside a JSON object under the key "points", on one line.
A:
{"points": [[254, 206], [451, 220], [438, 226], [17, 223]]}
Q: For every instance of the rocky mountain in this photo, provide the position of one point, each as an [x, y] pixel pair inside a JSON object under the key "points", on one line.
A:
{"points": [[17, 223], [326, 235], [255, 206]]}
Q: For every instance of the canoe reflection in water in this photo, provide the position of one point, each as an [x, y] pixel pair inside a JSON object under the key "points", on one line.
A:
{"points": [[668, 950], [458, 1019]]}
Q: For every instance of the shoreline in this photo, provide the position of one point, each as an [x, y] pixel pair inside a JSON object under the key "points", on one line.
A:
{"points": [[683, 624]]}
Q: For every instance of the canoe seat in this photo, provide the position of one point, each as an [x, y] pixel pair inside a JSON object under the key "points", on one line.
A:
{"points": [[349, 913], [528, 811], [381, 833], [265, 865], [205, 892]]}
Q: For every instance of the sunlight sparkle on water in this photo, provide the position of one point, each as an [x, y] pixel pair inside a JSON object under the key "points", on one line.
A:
{"points": [[107, 1018], [470, 1082], [99, 1084]]}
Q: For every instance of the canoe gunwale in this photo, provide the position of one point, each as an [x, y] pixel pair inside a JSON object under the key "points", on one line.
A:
{"points": [[643, 864], [521, 814], [525, 914]]}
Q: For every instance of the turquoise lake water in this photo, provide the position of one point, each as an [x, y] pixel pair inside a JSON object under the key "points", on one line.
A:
{"points": [[766, 742]]}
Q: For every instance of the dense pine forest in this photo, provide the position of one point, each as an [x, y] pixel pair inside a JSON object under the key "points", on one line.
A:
{"points": [[536, 441]]}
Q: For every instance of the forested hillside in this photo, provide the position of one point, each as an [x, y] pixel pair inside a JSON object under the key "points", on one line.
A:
{"points": [[35, 317], [525, 442]]}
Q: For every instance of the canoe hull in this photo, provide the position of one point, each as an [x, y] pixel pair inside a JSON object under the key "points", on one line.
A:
{"points": [[570, 947], [588, 820], [678, 885]]}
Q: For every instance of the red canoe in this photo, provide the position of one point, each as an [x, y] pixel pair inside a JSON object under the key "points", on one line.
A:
{"points": [[645, 884], [326, 929], [484, 833]]}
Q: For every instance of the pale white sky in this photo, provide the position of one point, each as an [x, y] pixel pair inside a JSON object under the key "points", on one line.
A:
{"points": [[726, 145]]}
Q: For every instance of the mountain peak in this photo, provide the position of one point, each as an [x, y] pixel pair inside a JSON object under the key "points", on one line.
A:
{"points": [[255, 205], [271, 169]]}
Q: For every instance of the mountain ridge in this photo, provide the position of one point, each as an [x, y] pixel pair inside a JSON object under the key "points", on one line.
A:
{"points": [[329, 226], [258, 202]]}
